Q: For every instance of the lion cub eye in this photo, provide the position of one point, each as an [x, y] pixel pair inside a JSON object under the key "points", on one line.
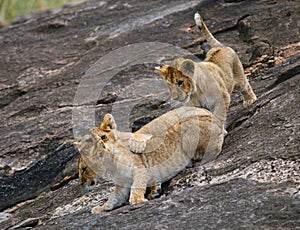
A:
{"points": [[103, 137], [179, 83]]}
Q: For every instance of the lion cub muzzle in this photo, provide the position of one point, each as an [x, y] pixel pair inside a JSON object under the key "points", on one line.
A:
{"points": [[87, 177]]}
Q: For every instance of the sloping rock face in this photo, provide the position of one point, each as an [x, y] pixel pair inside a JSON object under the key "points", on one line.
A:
{"points": [[61, 71]]}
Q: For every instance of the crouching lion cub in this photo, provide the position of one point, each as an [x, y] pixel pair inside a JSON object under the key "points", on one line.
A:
{"points": [[209, 83], [176, 137]]}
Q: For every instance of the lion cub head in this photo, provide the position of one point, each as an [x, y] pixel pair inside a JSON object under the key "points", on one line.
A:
{"points": [[179, 76], [87, 176], [92, 150]]}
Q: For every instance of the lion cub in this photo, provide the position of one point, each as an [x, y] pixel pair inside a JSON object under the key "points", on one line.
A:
{"points": [[176, 137], [208, 84]]}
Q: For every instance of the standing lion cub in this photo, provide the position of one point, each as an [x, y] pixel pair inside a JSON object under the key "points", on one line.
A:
{"points": [[209, 83], [176, 137]]}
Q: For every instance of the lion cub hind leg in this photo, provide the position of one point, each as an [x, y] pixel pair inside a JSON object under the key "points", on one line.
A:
{"points": [[116, 199], [248, 95], [242, 84]]}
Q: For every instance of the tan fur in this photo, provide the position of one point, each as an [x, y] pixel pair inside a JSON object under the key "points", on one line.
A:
{"points": [[176, 137], [209, 83], [86, 175]]}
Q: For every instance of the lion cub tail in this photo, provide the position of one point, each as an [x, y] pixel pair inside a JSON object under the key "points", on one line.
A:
{"points": [[207, 34]]}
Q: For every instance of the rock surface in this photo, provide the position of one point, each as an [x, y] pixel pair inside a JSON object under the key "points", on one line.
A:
{"points": [[255, 183]]}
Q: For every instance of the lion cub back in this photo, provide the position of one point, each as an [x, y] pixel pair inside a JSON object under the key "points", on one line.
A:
{"points": [[193, 131]]}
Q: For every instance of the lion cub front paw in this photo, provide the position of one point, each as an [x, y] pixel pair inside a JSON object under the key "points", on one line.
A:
{"points": [[249, 102], [135, 200], [101, 208], [138, 142]]}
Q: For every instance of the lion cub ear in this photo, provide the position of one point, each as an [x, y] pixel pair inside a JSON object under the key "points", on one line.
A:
{"points": [[177, 62], [187, 68], [108, 123], [163, 70]]}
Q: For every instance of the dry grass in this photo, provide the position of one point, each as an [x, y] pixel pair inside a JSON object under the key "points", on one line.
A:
{"points": [[12, 9]]}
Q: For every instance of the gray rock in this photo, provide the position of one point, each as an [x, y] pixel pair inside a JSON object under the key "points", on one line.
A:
{"points": [[255, 183]]}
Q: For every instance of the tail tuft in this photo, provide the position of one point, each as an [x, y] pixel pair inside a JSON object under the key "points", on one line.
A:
{"points": [[198, 20], [207, 34]]}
